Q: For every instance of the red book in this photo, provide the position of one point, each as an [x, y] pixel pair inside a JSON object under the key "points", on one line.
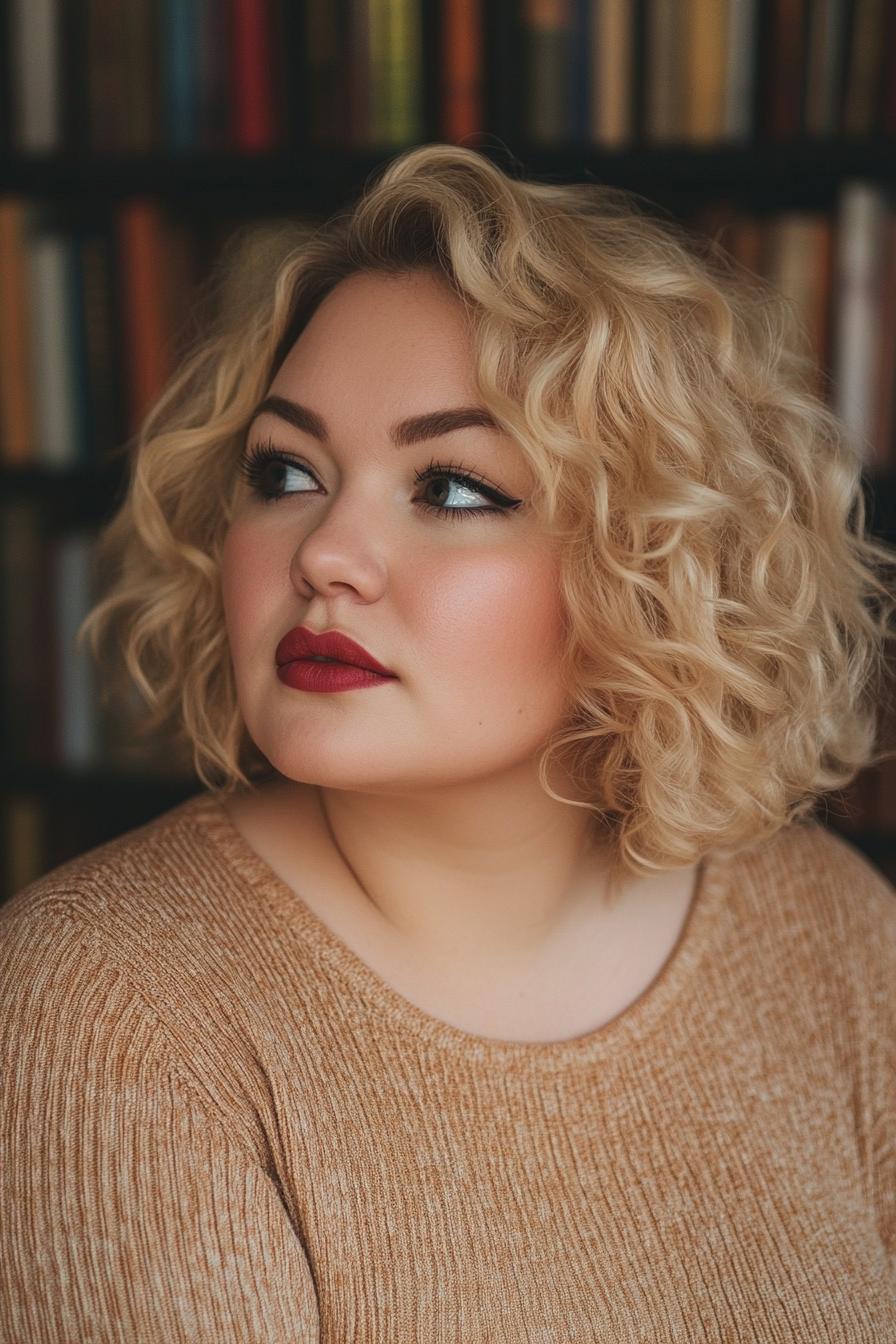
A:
{"points": [[145, 287], [462, 73], [254, 78], [785, 69]]}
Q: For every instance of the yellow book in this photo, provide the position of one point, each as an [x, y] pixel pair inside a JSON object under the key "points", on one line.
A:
{"points": [[395, 71], [612, 72], [705, 71], [16, 392]]}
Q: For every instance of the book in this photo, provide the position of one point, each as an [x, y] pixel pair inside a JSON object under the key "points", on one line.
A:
{"points": [[865, 66], [108, 120], [25, 848], [141, 75], [705, 70], [463, 75], [612, 73], [29, 708], [180, 73], [146, 319], [104, 428], [254, 126], [740, 79], [784, 74], [549, 30], [825, 65], [883, 439], [395, 72], [664, 73], [78, 713], [58, 417], [16, 389], [326, 48], [36, 75], [214, 94], [798, 261], [860, 244]]}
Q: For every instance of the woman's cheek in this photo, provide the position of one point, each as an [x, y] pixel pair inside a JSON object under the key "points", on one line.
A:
{"points": [[254, 578]]}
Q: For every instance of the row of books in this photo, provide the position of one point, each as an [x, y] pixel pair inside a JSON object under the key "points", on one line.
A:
{"points": [[128, 76], [53, 713], [88, 321]]}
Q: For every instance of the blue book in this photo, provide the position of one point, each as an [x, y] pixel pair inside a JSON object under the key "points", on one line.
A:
{"points": [[180, 61]]}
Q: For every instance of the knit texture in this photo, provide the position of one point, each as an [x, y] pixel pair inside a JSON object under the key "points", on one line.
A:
{"points": [[220, 1125]]}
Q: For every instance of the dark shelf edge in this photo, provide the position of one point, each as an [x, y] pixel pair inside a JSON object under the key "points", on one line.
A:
{"points": [[102, 788], [323, 180]]}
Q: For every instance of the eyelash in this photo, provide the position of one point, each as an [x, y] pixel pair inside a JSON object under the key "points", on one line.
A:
{"points": [[256, 459]]}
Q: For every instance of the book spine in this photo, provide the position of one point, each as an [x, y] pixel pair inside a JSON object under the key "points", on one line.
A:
{"points": [[36, 73], [106, 64], [145, 311], [395, 71], [549, 26], [326, 37], [865, 66], [25, 845], [104, 417], [213, 97], [79, 740], [825, 65], [254, 103], [141, 75], [859, 257], [27, 706], [462, 115], [612, 52], [54, 378], [740, 79], [664, 91], [180, 64], [785, 69], [705, 68], [799, 264], [16, 391], [883, 442]]}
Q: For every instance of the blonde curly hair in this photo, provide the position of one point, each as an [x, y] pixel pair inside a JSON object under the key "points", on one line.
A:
{"points": [[726, 615]]}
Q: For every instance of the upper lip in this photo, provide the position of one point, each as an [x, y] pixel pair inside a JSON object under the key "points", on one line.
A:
{"points": [[302, 643]]}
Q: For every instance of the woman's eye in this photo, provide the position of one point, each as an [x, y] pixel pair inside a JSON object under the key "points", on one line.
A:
{"points": [[273, 477], [455, 493], [443, 492]]}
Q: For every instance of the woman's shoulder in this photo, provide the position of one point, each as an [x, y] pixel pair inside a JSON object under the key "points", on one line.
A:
{"points": [[168, 907], [812, 900]]}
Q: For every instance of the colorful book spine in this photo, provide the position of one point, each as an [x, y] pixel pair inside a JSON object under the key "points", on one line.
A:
{"points": [[79, 732], [36, 75], [52, 268], [16, 388], [740, 84], [396, 72], [825, 65], [612, 73], [144, 286], [861, 229], [550, 32], [253, 82], [180, 56], [463, 73], [705, 67]]}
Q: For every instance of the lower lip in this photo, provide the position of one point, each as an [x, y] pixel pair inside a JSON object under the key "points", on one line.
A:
{"points": [[306, 675]]}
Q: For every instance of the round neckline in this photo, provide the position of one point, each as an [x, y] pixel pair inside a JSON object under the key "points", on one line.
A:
{"points": [[635, 1021]]}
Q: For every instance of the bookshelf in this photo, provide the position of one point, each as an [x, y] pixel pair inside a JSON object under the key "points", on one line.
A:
{"points": [[51, 810]]}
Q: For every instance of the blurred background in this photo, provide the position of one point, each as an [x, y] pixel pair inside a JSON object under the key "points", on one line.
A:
{"points": [[136, 136]]}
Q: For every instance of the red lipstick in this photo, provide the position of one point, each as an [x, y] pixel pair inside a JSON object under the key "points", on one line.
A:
{"points": [[327, 662]]}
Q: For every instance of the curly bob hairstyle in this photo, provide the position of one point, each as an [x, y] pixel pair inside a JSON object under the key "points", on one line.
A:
{"points": [[726, 615]]}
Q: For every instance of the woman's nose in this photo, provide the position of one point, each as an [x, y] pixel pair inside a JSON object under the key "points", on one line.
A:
{"points": [[341, 555]]}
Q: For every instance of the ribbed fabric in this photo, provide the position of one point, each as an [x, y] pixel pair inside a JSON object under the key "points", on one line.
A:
{"points": [[220, 1125]]}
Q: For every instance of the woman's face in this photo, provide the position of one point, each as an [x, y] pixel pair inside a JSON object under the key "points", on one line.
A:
{"points": [[380, 504]]}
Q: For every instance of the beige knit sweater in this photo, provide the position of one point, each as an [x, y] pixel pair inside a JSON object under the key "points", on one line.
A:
{"points": [[221, 1126]]}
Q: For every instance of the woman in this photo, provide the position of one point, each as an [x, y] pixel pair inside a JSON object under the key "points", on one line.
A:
{"points": [[509, 585]]}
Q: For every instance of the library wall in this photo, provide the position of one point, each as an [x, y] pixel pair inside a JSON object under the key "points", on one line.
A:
{"points": [[137, 136]]}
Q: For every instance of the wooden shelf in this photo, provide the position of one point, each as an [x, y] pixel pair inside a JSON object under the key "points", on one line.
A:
{"points": [[806, 174]]}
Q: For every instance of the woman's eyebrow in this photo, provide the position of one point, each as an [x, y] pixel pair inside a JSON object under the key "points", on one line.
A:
{"points": [[415, 429], [294, 414], [418, 428]]}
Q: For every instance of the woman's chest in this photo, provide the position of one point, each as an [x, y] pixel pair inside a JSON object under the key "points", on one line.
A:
{"points": [[610, 1206]]}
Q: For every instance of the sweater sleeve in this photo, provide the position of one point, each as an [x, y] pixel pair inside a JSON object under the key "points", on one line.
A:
{"points": [[131, 1212]]}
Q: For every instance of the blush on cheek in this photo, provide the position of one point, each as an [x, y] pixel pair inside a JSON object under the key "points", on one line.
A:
{"points": [[498, 617]]}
